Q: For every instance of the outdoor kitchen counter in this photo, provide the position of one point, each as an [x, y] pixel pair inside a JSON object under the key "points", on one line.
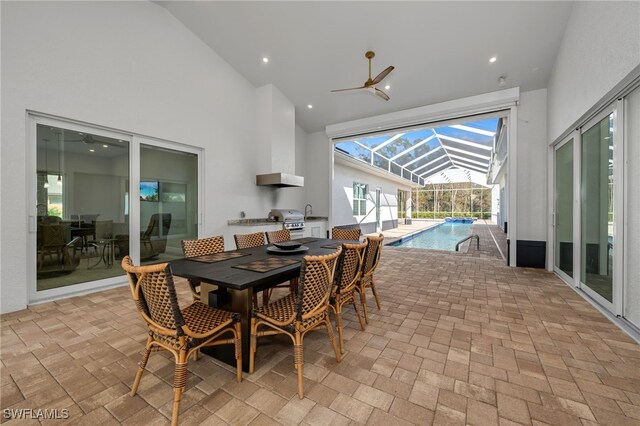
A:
{"points": [[252, 222]]}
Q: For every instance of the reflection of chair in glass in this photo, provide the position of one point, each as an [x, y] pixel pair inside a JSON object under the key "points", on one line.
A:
{"points": [[346, 277], [55, 254], [369, 265], [295, 315], [180, 331], [103, 243], [153, 241], [201, 247]]}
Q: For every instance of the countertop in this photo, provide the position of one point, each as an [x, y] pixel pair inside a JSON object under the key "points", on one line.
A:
{"points": [[264, 221]]}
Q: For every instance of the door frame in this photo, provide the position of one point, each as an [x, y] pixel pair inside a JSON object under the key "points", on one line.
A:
{"points": [[615, 109], [378, 209], [575, 202], [134, 141], [35, 296]]}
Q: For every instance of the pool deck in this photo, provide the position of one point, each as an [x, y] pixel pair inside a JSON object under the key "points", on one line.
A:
{"points": [[391, 235], [493, 241]]}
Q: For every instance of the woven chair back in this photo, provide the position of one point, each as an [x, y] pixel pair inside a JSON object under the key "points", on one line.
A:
{"points": [[249, 240], [154, 292], [345, 233], [349, 266], [278, 236], [203, 246], [372, 254], [316, 278]]}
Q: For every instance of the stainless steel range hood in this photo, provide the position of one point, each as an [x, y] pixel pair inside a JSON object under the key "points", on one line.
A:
{"points": [[279, 180], [275, 140]]}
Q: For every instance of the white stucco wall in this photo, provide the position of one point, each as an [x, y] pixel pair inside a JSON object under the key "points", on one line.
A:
{"points": [[601, 45], [532, 166], [130, 66], [317, 179], [342, 201]]}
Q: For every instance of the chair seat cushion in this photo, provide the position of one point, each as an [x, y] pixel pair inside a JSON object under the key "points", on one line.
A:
{"points": [[281, 310], [201, 318]]}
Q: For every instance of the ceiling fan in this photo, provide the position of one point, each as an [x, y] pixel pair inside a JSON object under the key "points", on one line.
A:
{"points": [[88, 139], [370, 84]]}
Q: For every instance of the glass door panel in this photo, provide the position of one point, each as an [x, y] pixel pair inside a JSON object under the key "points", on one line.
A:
{"points": [[81, 211], [597, 208], [168, 202], [564, 209]]}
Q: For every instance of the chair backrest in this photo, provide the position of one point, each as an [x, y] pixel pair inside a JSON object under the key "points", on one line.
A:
{"points": [[314, 288], [154, 293], [203, 246], [349, 267], [278, 236], [352, 233], [155, 221], [50, 236], [372, 254], [103, 229], [249, 240]]}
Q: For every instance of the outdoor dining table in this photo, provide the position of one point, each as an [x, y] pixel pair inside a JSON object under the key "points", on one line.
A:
{"points": [[237, 284]]}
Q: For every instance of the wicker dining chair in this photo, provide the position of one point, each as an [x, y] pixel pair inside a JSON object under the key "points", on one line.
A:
{"points": [[201, 247], [278, 237], [247, 241], [347, 275], [369, 265], [297, 314], [180, 331], [353, 233]]}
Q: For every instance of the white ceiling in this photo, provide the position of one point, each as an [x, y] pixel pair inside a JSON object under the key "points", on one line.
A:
{"points": [[441, 50]]}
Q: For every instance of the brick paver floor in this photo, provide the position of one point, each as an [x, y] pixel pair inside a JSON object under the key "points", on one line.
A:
{"points": [[459, 340]]}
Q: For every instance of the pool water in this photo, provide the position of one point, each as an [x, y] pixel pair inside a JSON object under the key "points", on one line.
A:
{"points": [[441, 237]]}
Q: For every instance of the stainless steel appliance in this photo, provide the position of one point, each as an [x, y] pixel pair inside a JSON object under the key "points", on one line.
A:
{"points": [[291, 219]]}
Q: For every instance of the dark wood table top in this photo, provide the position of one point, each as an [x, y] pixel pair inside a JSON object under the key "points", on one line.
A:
{"points": [[225, 275]]}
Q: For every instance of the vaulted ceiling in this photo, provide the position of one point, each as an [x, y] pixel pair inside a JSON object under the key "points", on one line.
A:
{"points": [[441, 50]]}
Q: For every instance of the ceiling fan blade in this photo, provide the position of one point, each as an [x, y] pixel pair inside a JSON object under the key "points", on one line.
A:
{"points": [[351, 88], [382, 75], [382, 94]]}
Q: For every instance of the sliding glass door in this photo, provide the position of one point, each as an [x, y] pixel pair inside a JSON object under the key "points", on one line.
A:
{"points": [[99, 195], [81, 180], [597, 208], [168, 202], [563, 218]]}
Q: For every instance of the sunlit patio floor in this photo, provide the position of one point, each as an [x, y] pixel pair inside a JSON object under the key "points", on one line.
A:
{"points": [[459, 339]]}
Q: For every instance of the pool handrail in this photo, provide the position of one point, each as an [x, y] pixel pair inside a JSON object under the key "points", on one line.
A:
{"points": [[468, 238]]}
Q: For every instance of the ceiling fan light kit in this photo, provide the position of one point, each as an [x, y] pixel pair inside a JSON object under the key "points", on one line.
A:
{"points": [[370, 84]]}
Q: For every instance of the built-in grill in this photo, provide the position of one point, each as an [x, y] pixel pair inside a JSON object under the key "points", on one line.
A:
{"points": [[291, 219]]}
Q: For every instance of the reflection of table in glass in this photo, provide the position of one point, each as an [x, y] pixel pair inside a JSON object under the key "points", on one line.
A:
{"points": [[106, 250], [238, 284]]}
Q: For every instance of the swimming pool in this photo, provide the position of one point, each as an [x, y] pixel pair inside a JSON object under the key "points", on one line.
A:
{"points": [[441, 237]]}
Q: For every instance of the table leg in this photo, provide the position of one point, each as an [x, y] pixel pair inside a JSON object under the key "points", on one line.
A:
{"points": [[242, 303]]}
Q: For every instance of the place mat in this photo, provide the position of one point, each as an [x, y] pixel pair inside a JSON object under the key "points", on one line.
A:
{"points": [[266, 265], [218, 257], [306, 240]]}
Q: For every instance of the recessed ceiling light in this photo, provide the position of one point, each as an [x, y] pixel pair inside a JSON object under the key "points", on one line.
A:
{"points": [[92, 150], [309, 106], [265, 59], [493, 59], [387, 87], [105, 146]]}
